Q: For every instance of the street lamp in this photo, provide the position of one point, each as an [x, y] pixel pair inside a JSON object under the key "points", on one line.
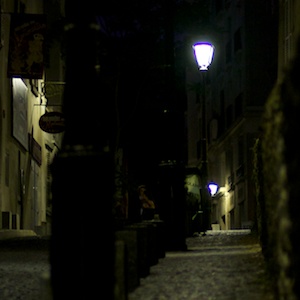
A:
{"points": [[213, 188], [204, 52]]}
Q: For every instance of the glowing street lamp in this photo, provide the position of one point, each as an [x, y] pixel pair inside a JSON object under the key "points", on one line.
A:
{"points": [[213, 188], [204, 53]]}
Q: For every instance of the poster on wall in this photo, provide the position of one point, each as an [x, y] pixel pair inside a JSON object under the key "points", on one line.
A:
{"points": [[20, 112], [26, 46]]}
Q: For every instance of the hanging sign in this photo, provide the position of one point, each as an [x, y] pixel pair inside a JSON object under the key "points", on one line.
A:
{"points": [[52, 122]]}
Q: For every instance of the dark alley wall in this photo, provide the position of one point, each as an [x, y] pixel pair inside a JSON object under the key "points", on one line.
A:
{"points": [[277, 182]]}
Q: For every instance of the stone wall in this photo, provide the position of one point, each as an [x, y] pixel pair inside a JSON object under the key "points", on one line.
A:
{"points": [[277, 177]]}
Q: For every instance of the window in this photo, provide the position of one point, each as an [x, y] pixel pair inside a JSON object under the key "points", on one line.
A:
{"points": [[228, 52], [198, 149], [240, 150], [222, 112], [229, 116], [219, 6], [238, 103], [197, 97], [288, 30], [7, 169], [227, 4], [237, 40]]}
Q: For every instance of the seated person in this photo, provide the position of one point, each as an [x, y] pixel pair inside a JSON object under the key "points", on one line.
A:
{"points": [[147, 205]]}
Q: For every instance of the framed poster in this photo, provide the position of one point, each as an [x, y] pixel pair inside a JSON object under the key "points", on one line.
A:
{"points": [[19, 128], [26, 46]]}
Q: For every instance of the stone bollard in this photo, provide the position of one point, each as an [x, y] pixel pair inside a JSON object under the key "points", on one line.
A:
{"points": [[129, 265], [152, 246], [145, 245], [143, 251], [159, 227], [121, 271]]}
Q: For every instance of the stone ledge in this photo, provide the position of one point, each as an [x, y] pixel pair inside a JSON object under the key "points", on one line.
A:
{"points": [[16, 233]]}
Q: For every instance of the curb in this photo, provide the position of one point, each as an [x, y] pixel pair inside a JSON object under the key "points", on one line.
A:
{"points": [[6, 234], [228, 232]]}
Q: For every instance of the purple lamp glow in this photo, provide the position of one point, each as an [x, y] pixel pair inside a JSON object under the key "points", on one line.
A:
{"points": [[203, 52]]}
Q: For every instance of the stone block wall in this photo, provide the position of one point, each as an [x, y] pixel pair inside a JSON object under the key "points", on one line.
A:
{"points": [[277, 177]]}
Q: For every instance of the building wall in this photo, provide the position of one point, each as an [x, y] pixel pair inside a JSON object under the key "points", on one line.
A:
{"points": [[242, 74], [288, 31], [24, 156], [277, 174]]}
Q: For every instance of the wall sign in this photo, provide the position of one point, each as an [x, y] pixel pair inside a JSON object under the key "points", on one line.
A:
{"points": [[52, 122]]}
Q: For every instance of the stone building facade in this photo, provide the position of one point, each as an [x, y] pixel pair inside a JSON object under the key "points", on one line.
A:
{"points": [[238, 83], [30, 86]]}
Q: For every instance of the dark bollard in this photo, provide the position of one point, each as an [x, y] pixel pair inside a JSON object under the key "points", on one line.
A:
{"points": [[150, 233], [130, 239], [159, 231], [121, 271], [160, 235], [173, 205], [82, 242], [143, 248]]}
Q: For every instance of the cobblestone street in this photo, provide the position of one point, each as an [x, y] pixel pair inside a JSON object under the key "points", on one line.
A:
{"points": [[227, 266], [23, 263], [218, 266]]}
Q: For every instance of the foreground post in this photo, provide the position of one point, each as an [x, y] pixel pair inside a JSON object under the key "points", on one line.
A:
{"points": [[82, 243]]}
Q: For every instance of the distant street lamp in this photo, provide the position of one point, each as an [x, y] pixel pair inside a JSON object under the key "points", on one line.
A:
{"points": [[213, 188], [204, 52]]}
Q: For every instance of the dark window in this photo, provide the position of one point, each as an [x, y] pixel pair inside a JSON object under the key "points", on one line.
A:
{"points": [[227, 4], [197, 97], [240, 150], [229, 116], [229, 165], [237, 40], [222, 113], [240, 169], [219, 5], [238, 106], [7, 169], [20, 7], [228, 52], [198, 149]]}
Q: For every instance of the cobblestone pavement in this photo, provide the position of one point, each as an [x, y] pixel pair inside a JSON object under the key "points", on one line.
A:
{"points": [[227, 266], [22, 267]]}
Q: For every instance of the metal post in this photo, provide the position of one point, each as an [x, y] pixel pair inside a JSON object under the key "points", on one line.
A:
{"points": [[205, 195], [82, 241]]}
